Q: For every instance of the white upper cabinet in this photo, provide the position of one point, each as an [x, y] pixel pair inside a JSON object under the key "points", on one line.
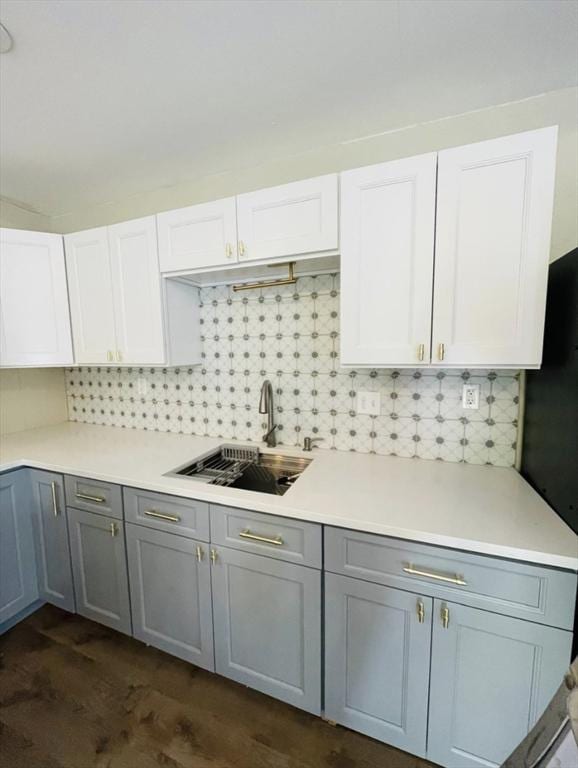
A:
{"points": [[136, 291], [494, 214], [387, 256], [90, 295], [35, 321], [198, 236], [123, 312], [289, 220]]}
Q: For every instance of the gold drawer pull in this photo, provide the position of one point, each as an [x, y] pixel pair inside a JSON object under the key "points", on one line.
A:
{"points": [[437, 576], [445, 616], [199, 553], [162, 516], [113, 529], [88, 497], [420, 611], [54, 499], [246, 534]]}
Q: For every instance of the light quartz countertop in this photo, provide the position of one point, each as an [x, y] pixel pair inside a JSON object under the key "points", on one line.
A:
{"points": [[488, 510]]}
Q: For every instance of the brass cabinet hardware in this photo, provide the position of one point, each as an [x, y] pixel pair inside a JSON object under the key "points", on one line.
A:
{"points": [[420, 611], [441, 351], [455, 579], [113, 529], [199, 553], [246, 534], [421, 352], [289, 280], [162, 516], [88, 497], [109, 355], [214, 556], [445, 614], [241, 248], [228, 251], [119, 356], [54, 499]]}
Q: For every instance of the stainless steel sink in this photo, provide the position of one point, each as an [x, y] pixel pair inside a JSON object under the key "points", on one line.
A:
{"points": [[246, 467]]}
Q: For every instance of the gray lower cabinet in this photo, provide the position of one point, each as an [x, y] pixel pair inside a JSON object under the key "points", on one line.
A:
{"points": [[97, 545], [491, 678], [267, 619], [377, 659], [18, 585], [170, 587], [51, 539]]}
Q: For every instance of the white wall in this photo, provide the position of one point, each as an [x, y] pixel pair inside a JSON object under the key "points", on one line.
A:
{"points": [[554, 108]]}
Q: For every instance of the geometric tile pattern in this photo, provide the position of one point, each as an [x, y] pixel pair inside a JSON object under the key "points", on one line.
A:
{"points": [[290, 335]]}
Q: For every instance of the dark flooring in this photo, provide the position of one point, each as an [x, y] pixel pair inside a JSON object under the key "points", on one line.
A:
{"points": [[74, 694]]}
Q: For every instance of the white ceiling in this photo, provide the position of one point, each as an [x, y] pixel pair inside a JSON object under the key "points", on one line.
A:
{"points": [[102, 99]]}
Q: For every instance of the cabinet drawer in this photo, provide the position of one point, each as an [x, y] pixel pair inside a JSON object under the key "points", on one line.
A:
{"points": [[278, 537], [174, 514], [93, 496], [510, 587]]}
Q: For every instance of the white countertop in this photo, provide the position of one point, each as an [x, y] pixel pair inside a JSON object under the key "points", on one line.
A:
{"points": [[489, 510]]}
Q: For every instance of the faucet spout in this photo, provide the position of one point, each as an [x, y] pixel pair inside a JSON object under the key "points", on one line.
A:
{"points": [[266, 406]]}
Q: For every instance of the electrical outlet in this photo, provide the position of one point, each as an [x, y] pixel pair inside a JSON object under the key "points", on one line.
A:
{"points": [[471, 396], [369, 403], [142, 387]]}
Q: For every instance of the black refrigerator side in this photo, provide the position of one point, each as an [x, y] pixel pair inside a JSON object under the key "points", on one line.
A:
{"points": [[550, 441]]}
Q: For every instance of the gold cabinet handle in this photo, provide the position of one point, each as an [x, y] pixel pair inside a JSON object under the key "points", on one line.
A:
{"points": [[441, 351], [246, 534], [162, 516], [109, 355], [119, 356], [420, 611], [241, 248], [199, 553], [421, 352], [229, 251], [455, 579], [113, 529], [54, 499], [88, 497], [214, 556], [445, 616]]}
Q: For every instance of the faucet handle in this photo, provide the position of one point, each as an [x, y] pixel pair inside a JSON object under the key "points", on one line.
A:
{"points": [[308, 442]]}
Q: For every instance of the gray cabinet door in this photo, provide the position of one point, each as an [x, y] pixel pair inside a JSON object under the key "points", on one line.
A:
{"points": [[267, 617], [51, 539], [491, 678], [170, 587], [377, 658], [18, 585], [99, 568]]}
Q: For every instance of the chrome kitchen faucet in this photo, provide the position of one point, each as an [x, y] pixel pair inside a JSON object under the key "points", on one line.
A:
{"points": [[266, 406]]}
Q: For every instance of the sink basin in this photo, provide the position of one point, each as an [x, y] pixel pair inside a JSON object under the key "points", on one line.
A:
{"points": [[246, 467]]}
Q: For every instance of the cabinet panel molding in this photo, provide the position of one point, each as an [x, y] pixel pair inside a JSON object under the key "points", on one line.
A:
{"points": [[34, 315], [494, 216], [387, 259], [377, 658], [491, 678]]}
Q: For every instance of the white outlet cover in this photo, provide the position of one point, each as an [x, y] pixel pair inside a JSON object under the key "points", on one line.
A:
{"points": [[471, 396], [369, 403]]}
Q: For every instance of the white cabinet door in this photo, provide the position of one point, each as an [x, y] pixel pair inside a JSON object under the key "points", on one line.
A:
{"points": [[289, 220], [387, 241], [90, 292], [35, 321], [198, 236], [494, 213], [136, 289]]}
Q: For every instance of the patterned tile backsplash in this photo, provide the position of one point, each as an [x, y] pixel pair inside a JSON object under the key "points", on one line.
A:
{"points": [[290, 335]]}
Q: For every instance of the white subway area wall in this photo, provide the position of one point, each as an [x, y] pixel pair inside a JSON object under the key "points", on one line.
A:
{"points": [[290, 335]]}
